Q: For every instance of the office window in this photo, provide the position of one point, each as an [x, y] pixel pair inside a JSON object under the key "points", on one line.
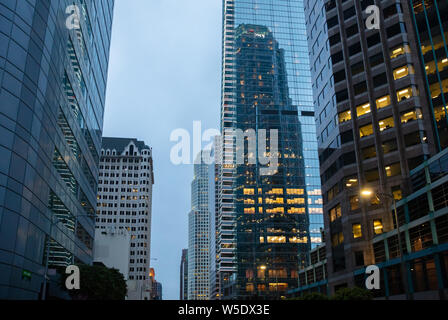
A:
{"points": [[363, 109], [404, 94], [386, 123], [413, 115], [366, 131], [383, 102], [393, 170], [378, 226], [400, 50], [402, 72], [357, 231], [345, 116], [335, 213]]}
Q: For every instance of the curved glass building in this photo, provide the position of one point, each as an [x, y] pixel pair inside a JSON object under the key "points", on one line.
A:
{"points": [[53, 71]]}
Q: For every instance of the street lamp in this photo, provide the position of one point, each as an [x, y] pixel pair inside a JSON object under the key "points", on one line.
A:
{"points": [[54, 220], [367, 193]]}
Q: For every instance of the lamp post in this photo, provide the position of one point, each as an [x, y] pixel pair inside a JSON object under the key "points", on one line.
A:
{"points": [[54, 220], [366, 193]]}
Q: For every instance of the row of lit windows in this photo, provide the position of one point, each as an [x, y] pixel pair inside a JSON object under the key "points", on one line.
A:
{"points": [[274, 191], [380, 103], [275, 210]]}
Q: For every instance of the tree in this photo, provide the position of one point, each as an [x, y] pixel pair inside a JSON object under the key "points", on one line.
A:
{"points": [[355, 293], [310, 296], [98, 282], [313, 296]]}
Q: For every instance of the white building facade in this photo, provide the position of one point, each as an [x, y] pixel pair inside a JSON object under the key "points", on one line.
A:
{"points": [[124, 202], [198, 235]]}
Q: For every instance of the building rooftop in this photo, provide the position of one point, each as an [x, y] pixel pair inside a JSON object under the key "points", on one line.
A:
{"points": [[119, 144]]}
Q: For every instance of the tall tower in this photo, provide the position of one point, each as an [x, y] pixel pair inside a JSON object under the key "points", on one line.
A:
{"points": [[125, 202], [53, 74], [266, 223], [183, 285], [198, 233]]}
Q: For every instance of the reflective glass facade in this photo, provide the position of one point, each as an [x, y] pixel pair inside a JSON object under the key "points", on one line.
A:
{"points": [[52, 90], [432, 33], [267, 85]]}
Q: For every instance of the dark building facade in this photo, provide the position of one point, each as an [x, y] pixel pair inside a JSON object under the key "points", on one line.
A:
{"points": [[380, 113], [263, 224], [183, 284], [53, 75]]}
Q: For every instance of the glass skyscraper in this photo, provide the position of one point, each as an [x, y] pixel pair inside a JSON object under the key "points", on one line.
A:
{"points": [[53, 73], [266, 223]]}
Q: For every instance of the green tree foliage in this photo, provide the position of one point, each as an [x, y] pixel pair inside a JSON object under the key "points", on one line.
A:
{"points": [[98, 282], [353, 294]]}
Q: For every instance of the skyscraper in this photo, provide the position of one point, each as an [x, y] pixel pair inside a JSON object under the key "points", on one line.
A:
{"points": [[125, 186], [53, 73], [183, 285], [266, 223], [198, 233], [379, 97]]}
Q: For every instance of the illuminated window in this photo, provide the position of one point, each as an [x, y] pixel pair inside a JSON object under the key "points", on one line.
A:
{"points": [[411, 115], [295, 191], [366, 131], [377, 226], [393, 170], [387, 123], [363, 109], [398, 194], [404, 94], [249, 192], [276, 191], [345, 116], [351, 182], [296, 201], [357, 232], [398, 51], [383, 102], [250, 287], [249, 210], [440, 113], [403, 72], [278, 286], [276, 210], [298, 240], [335, 213], [296, 210], [274, 201], [249, 201], [276, 239], [261, 239]]}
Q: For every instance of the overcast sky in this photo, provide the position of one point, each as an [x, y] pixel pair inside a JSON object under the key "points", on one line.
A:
{"points": [[164, 74]]}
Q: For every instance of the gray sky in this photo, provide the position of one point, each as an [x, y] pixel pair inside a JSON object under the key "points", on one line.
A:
{"points": [[164, 74]]}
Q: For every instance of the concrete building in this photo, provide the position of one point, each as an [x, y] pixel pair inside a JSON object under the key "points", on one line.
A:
{"points": [[380, 104], [124, 202], [111, 248], [52, 92], [183, 284], [198, 233]]}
